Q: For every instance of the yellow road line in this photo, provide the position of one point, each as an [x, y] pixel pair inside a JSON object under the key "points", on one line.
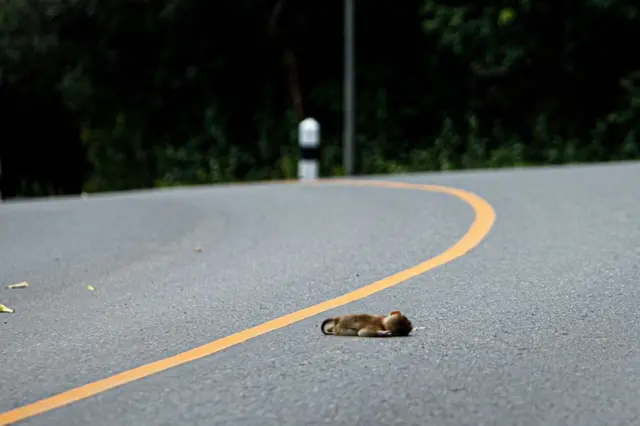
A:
{"points": [[484, 219]]}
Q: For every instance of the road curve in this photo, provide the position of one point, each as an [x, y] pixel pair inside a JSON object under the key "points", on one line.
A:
{"points": [[537, 325]]}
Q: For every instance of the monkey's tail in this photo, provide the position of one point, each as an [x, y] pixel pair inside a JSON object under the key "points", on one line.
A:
{"points": [[324, 323]]}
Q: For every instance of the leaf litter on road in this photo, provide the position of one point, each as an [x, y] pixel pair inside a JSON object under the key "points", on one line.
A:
{"points": [[6, 310], [22, 284]]}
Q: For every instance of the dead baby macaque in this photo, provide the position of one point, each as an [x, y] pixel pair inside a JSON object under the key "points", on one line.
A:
{"points": [[367, 325]]}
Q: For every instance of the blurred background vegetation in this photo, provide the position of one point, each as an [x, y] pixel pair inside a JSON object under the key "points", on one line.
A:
{"points": [[119, 94]]}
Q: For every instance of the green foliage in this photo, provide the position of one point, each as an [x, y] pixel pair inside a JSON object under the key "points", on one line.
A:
{"points": [[192, 92]]}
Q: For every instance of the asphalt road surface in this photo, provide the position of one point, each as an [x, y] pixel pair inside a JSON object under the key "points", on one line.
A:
{"points": [[537, 325]]}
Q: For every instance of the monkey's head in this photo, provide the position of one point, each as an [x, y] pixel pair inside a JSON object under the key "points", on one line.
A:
{"points": [[398, 323]]}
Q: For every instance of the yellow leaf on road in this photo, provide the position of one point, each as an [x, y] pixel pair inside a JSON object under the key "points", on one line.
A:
{"points": [[5, 310]]}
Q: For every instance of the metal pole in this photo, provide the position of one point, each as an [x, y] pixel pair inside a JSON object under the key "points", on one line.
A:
{"points": [[348, 90]]}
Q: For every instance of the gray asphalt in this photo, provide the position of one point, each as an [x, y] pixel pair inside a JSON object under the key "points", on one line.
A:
{"points": [[536, 326]]}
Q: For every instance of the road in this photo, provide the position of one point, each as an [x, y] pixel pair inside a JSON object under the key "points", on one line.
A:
{"points": [[537, 324]]}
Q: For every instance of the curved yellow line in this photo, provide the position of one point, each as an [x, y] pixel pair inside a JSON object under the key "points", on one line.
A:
{"points": [[484, 219]]}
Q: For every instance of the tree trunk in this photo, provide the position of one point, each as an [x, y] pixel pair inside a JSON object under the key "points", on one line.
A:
{"points": [[290, 60]]}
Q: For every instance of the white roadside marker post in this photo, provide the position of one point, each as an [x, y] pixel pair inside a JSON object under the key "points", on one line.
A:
{"points": [[309, 140]]}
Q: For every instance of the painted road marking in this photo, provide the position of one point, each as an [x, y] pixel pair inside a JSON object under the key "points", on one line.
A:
{"points": [[479, 229]]}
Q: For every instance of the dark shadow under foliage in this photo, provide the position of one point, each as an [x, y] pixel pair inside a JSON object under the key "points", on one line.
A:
{"points": [[122, 94]]}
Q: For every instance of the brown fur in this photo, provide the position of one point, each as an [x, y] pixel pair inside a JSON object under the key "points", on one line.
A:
{"points": [[368, 325]]}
